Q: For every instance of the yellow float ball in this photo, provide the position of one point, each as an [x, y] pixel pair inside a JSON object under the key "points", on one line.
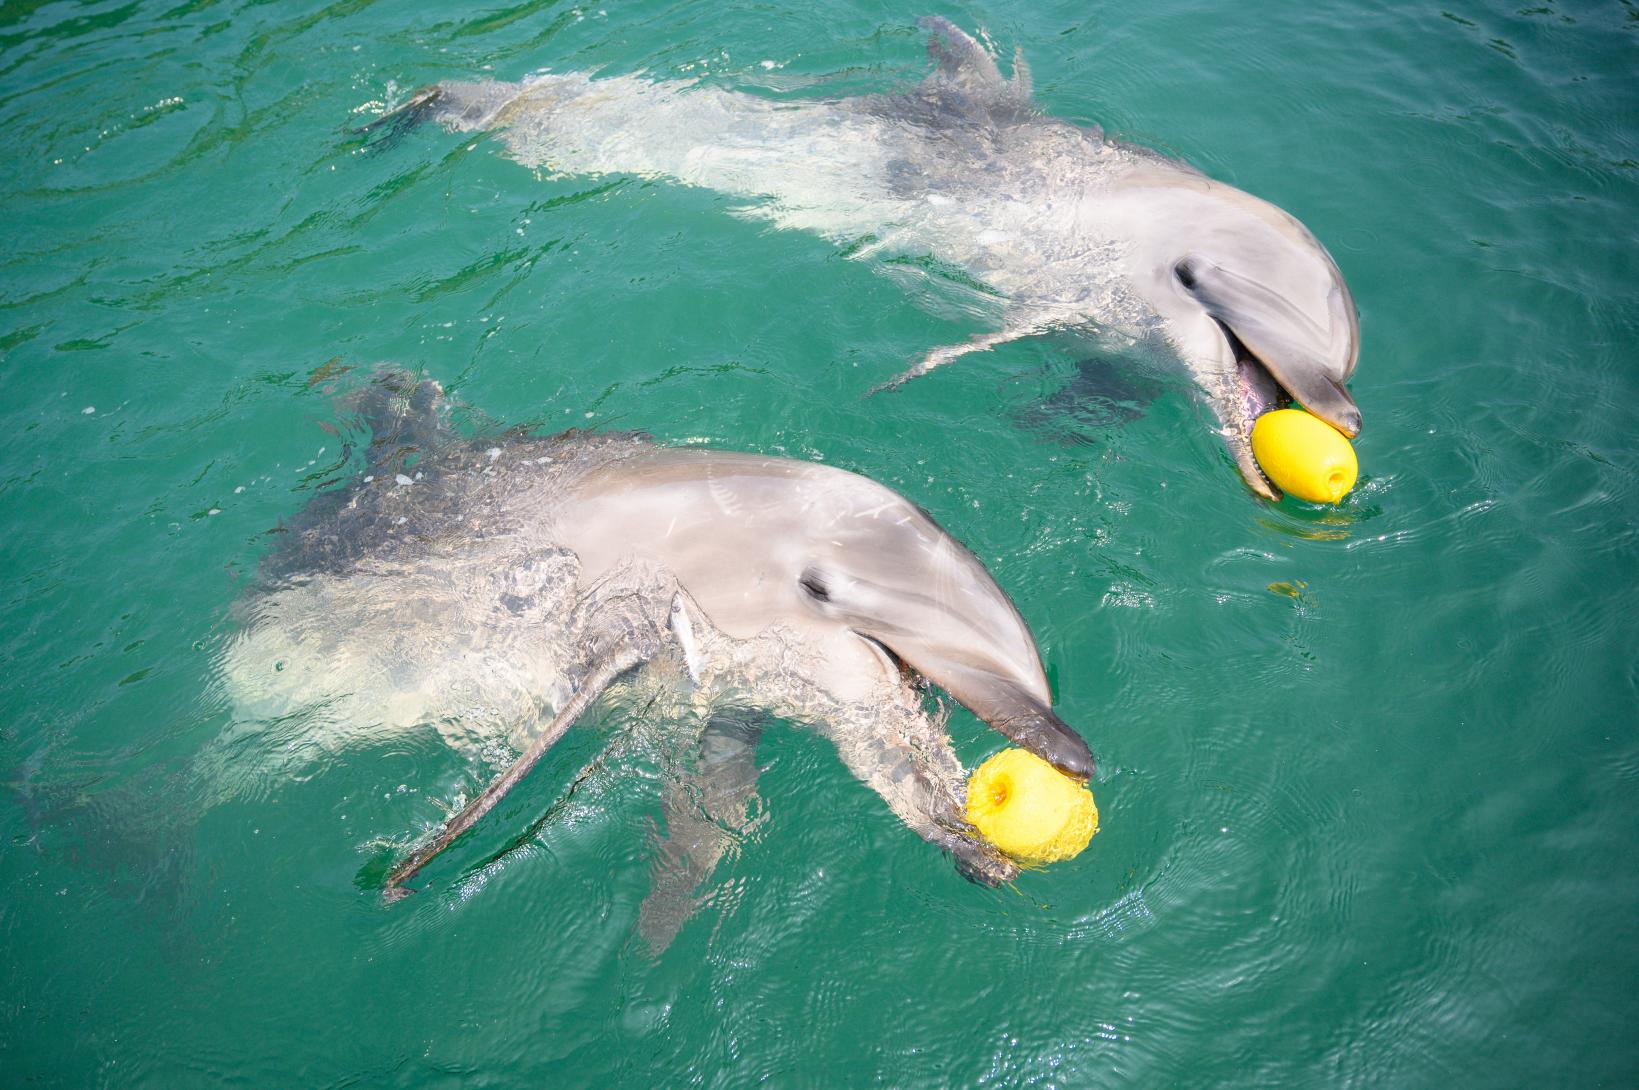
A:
{"points": [[1029, 809], [1304, 456]]}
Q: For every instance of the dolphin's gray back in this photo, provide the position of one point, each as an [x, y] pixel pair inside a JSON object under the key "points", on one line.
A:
{"points": [[450, 496], [812, 162]]}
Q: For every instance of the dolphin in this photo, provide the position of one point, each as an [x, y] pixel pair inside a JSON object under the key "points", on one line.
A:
{"points": [[1049, 226], [497, 589]]}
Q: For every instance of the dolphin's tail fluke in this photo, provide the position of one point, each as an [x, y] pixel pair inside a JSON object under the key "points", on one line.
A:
{"points": [[463, 107], [390, 127]]}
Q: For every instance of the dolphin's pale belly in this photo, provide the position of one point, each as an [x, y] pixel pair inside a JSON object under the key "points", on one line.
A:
{"points": [[477, 646]]}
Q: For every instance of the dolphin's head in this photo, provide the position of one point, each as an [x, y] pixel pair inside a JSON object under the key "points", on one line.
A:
{"points": [[900, 582], [1251, 300], [866, 589], [768, 541]]}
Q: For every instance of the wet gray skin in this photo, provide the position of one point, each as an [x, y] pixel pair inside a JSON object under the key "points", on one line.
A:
{"points": [[496, 589], [1050, 226]]}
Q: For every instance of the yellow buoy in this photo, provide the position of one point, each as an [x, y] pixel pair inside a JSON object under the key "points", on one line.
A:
{"points": [[1304, 456], [1029, 809]]}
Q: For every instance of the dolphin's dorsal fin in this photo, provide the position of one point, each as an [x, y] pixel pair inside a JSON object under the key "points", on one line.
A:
{"points": [[1021, 84], [405, 415], [966, 66]]}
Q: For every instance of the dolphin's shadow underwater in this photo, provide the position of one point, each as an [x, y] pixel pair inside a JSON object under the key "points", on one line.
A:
{"points": [[497, 588], [1060, 228], [1101, 394]]}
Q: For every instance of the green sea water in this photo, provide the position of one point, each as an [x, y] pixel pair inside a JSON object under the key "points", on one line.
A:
{"points": [[1367, 774]]}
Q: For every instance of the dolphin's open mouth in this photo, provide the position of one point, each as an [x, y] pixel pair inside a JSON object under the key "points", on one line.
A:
{"points": [[1257, 391]]}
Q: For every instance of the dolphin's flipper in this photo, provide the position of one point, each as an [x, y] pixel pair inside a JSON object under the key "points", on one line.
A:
{"points": [[703, 810], [895, 768], [1018, 325], [1101, 393], [944, 354], [623, 657]]}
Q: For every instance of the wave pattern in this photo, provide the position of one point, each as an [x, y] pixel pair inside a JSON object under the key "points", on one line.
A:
{"points": [[1366, 773]]}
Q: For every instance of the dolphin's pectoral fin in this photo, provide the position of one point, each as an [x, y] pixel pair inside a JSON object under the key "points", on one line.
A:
{"points": [[1018, 326], [942, 355], [915, 780], [605, 670], [684, 621], [1101, 393], [1309, 348], [704, 810]]}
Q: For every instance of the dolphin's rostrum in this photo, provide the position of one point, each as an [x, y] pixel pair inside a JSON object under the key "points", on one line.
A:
{"points": [[504, 587], [1060, 227]]}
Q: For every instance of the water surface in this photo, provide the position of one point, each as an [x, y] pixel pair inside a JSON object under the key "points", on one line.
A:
{"points": [[1367, 774]]}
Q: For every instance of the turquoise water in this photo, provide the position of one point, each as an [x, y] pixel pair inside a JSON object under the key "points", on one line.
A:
{"points": [[1367, 775]]}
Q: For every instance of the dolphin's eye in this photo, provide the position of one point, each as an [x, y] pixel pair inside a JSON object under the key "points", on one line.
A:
{"points": [[812, 582], [1185, 274]]}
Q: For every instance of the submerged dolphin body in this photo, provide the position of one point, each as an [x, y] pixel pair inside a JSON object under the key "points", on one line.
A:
{"points": [[502, 588], [1063, 228]]}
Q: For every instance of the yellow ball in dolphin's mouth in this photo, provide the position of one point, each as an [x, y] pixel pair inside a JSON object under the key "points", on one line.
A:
{"points": [[1029, 809], [1304, 455]]}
